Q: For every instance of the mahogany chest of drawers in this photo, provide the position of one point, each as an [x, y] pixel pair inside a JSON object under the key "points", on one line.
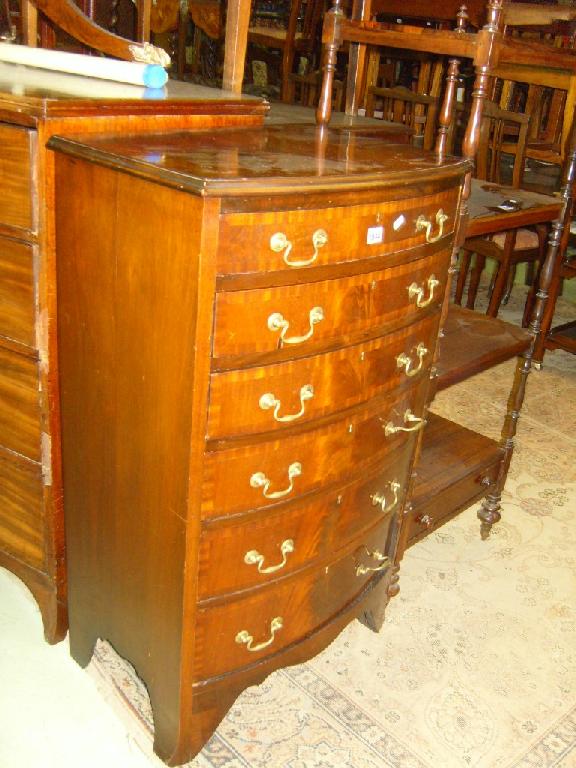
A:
{"points": [[247, 325], [33, 106]]}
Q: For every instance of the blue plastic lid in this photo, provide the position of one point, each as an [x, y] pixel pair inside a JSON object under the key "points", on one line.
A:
{"points": [[155, 76]]}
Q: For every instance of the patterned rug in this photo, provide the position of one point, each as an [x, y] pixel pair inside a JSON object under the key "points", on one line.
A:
{"points": [[475, 666]]}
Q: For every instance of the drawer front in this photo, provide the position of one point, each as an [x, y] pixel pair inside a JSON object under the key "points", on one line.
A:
{"points": [[16, 291], [253, 552], [279, 240], [16, 174], [244, 631], [21, 524], [267, 473], [262, 399], [441, 507], [299, 318], [19, 404]]}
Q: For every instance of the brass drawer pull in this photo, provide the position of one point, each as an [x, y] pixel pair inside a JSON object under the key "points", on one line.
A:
{"points": [[259, 480], [423, 223], [268, 401], [415, 290], [380, 498], [382, 559], [405, 361], [244, 637], [279, 242], [409, 418], [255, 558], [276, 322]]}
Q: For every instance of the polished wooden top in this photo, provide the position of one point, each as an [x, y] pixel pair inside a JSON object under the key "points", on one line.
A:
{"points": [[37, 93], [258, 161]]}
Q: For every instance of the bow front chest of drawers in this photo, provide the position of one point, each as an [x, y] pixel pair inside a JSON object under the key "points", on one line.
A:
{"points": [[34, 105], [247, 324]]}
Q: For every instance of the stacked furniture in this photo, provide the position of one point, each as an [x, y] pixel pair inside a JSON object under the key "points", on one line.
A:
{"points": [[247, 325]]}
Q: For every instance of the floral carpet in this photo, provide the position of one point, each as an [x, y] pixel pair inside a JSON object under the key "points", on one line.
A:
{"points": [[475, 666]]}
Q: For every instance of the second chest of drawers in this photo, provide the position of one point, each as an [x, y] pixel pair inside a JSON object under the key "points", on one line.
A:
{"points": [[245, 353]]}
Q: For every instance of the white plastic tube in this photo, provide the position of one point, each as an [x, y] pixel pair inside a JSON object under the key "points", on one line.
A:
{"points": [[17, 79], [148, 75]]}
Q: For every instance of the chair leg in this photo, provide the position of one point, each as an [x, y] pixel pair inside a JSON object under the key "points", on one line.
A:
{"points": [[463, 267], [476, 273], [181, 34], [531, 297], [498, 290], [510, 286]]}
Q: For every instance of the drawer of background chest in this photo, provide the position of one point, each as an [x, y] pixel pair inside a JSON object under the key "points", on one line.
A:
{"points": [[16, 197], [269, 472], [251, 551], [19, 404], [243, 631], [21, 520], [278, 240], [16, 291], [298, 319], [262, 399]]}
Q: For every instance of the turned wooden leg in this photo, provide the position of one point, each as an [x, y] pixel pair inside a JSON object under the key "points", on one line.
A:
{"points": [[498, 290], [489, 513], [510, 285], [531, 297]]}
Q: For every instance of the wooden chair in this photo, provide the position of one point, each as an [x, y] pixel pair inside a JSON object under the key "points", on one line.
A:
{"points": [[510, 248], [546, 87], [401, 105], [298, 37], [360, 33], [305, 90]]}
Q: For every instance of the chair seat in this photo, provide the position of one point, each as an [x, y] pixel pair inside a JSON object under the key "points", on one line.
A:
{"points": [[525, 239]]}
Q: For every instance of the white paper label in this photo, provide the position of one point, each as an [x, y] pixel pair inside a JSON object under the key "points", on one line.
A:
{"points": [[375, 235]]}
